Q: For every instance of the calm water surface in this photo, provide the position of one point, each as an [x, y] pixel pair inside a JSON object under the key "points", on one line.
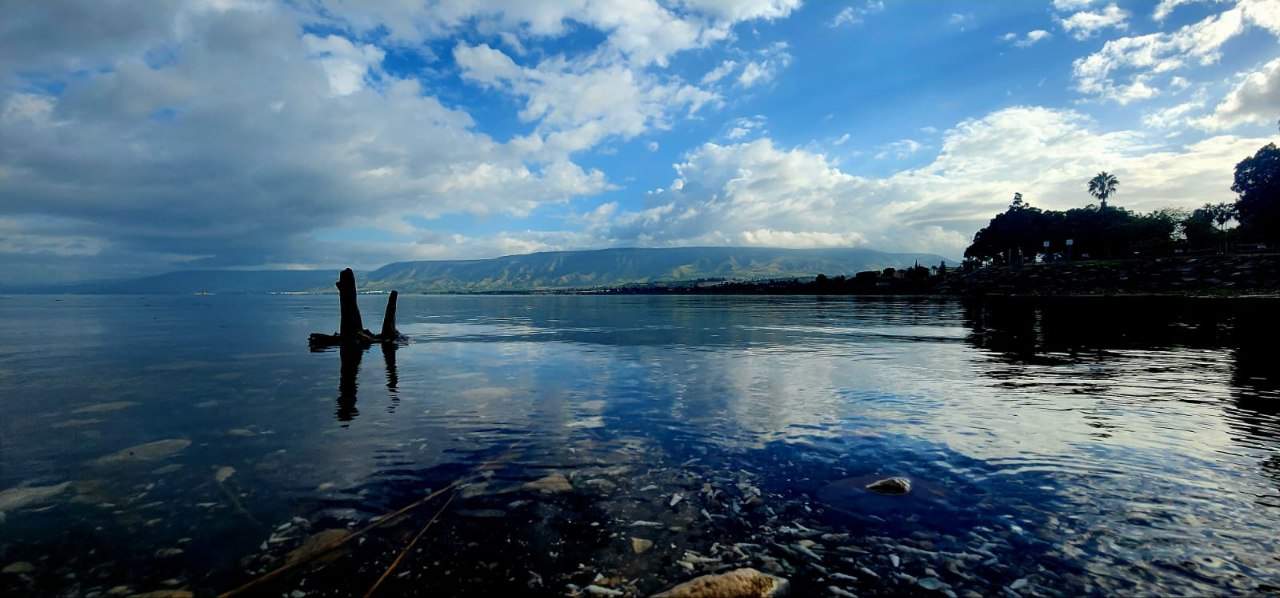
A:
{"points": [[1064, 449]]}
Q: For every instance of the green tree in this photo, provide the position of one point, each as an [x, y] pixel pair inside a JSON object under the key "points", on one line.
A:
{"points": [[1257, 181], [1102, 186]]}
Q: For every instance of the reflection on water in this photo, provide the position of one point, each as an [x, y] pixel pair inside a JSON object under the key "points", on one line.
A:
{"points": [[1069, 447]]}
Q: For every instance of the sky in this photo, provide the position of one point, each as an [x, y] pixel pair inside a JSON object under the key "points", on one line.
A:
{"points": [[141, 137]]}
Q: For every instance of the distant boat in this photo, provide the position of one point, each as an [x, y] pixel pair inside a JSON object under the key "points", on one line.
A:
{"points": [[202, 293]]}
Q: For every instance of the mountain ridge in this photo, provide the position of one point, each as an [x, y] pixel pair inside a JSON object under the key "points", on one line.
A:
{"points": [[539, 271]]}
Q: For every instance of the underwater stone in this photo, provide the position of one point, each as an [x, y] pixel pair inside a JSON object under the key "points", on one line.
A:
{"points": [[552, 484], [739, 583], [641, 545], [890, 486]]}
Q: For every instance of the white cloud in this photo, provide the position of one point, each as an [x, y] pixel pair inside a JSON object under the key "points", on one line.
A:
{"points": [[854, 15], [1173, 116], [841, 140], [758, 72], [642, 32], [900, 149], [740, 128], [200, 156], [1030, 39], [961, 20], [1254, 100], [1070, 5], [719, 72], [1166, 7], [1084, 24], [756, 192], [1144, 58], [652, 146], [346, 63], [576, 109]]}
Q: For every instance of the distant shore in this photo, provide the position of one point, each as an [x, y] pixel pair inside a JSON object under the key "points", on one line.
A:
{"points": [[1221, 276]]}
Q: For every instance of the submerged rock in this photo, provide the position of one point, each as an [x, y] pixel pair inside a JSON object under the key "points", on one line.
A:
{"points": [[18, 568], [105, 407], [552, 484], [890, 486], [739, 583], [16, 498], [224, 472], [641, 545], [150, 451]]}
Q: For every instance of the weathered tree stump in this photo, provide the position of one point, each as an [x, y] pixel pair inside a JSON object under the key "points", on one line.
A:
{"points": [[351, 330], [389, 318]]}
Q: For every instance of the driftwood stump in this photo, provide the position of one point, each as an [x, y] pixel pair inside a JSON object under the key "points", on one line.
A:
{"points": [[351, 330]]}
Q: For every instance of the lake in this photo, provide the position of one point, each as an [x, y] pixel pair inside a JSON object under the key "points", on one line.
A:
{"points": [[629, 443]]}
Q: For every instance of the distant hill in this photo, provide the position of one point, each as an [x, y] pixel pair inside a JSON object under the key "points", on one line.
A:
{"points": [[551, 270], [615, 267]]}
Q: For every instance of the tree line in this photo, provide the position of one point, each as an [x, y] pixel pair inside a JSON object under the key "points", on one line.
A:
{"points": [[1023, 232]]}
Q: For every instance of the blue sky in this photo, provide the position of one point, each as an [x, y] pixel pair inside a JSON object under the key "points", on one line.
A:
{"points": [[143, 137]]}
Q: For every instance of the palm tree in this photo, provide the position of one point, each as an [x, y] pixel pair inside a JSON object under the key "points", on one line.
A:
{"points": [[1103, 186]]}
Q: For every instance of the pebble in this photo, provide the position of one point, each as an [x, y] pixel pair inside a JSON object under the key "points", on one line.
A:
{"points": [[931, 583], [18, 568], [641, 545]]}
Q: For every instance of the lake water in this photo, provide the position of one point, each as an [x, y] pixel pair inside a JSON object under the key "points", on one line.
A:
{"points": [[169, 443]]}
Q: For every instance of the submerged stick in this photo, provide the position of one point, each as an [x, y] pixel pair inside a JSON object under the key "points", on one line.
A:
{"points": [[409, 547], [287, 567], [376, 522]]}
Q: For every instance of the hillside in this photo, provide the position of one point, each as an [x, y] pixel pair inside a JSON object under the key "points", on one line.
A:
{"points": [[616, 267], [554, 270]]}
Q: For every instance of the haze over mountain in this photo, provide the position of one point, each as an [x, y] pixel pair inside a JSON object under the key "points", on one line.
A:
{"points": [[552, 270]]}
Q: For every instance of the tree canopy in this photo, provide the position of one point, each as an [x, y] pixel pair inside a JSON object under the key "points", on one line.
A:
{"points": [[1257, 180], [1025, 232]]}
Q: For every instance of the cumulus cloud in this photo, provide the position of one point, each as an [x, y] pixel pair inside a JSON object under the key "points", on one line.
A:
{"points": [[756, 192], [233, 133], [1126, 69], [640, 31], [196, 155], [1254, 100], [1084, 24], [576, 109]]}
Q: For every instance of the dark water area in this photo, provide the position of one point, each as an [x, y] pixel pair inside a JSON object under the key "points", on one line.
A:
{"points": [[1054, 448]]}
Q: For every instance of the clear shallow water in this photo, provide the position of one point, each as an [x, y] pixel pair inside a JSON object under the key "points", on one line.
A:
{"points": [[1067, 448]]}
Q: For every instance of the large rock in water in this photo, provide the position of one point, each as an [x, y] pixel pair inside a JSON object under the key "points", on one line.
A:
{"points": [[739, 583], [891, 486]]}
